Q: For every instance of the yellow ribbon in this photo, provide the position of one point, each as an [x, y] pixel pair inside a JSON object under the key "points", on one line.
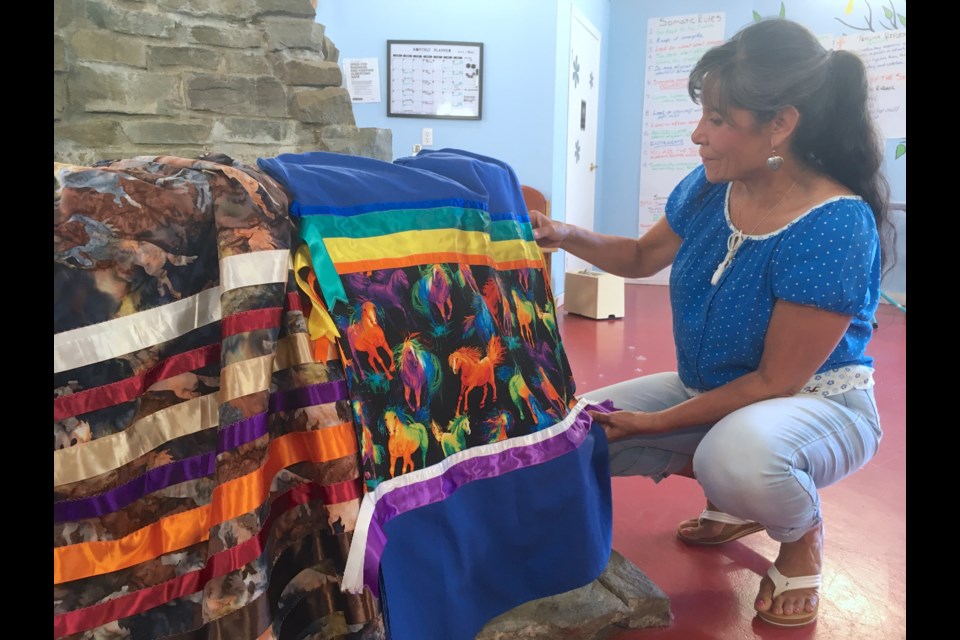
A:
{"points": [[319, 324]]}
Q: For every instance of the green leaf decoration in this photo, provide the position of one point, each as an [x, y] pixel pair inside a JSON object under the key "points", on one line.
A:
{"points": [[783, 11], [888, 13], [903, 19], [901, 150], [756, 17]]}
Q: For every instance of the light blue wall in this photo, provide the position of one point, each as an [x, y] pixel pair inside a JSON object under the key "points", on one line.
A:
{"points": [[519, 45]]}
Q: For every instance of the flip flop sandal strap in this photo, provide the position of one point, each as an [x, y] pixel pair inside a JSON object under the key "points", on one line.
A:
{"points": [[782, 583], [720, 516]]}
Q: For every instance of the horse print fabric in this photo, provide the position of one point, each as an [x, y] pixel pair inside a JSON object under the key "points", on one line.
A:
{"points": [[207, 476], [462, 397], [464, 376]]}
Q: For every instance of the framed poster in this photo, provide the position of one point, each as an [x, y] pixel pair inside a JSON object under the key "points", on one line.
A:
{"points": [[435, 79]]}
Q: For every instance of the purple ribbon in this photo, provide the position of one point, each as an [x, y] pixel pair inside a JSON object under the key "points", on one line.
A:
{"points": [[230, 437], [407, 498], [314, 394], [153, 480]]}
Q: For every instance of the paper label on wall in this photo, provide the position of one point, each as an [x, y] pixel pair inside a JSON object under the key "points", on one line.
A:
{"points": [[674, 45], [362, 79]]}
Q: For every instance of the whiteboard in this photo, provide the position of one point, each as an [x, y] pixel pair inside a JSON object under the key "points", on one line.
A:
{"points": [[667, 154], [433, 79]]}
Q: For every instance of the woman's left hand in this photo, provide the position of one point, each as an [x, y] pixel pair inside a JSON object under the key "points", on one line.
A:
{"points": [[623, 424]]}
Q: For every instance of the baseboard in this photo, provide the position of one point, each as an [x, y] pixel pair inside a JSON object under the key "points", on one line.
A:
{"points": [[558, 300]]}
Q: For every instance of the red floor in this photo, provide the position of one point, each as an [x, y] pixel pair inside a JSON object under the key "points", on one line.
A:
{"points": [[712, 591]]}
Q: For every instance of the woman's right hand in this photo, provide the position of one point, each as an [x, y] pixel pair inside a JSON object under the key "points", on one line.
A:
{"points": [[548, 233]]}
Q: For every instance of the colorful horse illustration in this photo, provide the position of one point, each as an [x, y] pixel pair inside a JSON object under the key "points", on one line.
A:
{"points": [[525, 315], [476, 371], [499, 426], [520, 391], [371, 454], [543, 354], [387, 291], [419, 372], [433, 290], [481, 322], [548, 319], [551, 392], [370, 451], [454, 438], [523, 276], [494, 299], [466, 281], [366, 335], [404, 440]]}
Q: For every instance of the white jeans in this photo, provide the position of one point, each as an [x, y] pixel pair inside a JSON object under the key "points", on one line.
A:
{"points": [[763, 462]]}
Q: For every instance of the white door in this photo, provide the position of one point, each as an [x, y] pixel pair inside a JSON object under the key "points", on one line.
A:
{"points": [[583, 79]]}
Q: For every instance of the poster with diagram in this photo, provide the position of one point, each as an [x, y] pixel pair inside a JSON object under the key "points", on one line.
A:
{"points": [[674, 44], [430, 79]]}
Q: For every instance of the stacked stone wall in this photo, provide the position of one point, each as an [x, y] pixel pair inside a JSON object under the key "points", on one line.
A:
{"points": [[250, 78]]}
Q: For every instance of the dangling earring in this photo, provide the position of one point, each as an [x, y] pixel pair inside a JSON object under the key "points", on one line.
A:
{"points": [[774, 161]]}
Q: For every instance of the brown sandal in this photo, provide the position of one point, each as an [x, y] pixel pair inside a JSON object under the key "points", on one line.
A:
{"points": [[742, 528]]}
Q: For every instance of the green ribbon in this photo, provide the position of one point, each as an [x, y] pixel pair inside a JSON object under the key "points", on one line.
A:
{"points": [[382, 223], [327, 277]]}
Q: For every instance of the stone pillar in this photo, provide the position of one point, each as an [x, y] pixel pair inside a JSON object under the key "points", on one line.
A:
{"points": [[621, 598], [249, 78]]}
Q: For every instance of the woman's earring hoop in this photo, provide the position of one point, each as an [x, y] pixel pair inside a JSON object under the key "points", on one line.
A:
{"points": [[774, 161]]}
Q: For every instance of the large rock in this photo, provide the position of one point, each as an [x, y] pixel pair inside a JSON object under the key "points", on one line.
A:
{"points": [[263, 96], [245, 63], [106, 46], [233, 37], [237, 10], [90, 132], [323, 106], [621, 598], [138, 23], [251, 130], [72, 152], [59, 57], [97, 90], [293, 33], [367, 142], [167, 132], [302, 68], [183, 57], [330, 51], [302, 8], [59, 95], [64, 12], [249, 153]]}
